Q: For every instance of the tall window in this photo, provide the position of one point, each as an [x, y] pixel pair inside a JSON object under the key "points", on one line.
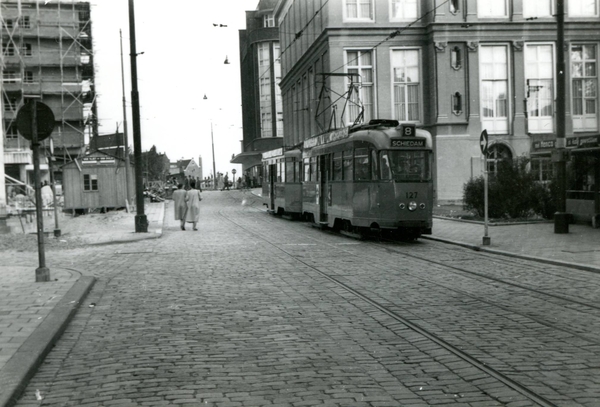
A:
{"points": [[585, 86], [537, 8], [582, 8], [492, 9], [359, 9], [360, 63], [493, 67], [278, 100], [407, 85], [404, 9], [539, 87], [264, 81]]}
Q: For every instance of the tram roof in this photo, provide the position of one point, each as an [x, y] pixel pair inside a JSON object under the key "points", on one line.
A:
{"points": [[378, 134]]}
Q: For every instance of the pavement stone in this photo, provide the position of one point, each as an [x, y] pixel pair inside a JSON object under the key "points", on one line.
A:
{"points": [[34, 315]]}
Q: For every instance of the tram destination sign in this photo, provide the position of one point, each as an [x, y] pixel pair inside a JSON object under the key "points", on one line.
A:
{"points": [[406, 142]]}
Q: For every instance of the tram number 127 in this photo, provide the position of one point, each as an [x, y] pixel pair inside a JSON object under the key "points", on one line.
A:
{"points": [[411, 195]]}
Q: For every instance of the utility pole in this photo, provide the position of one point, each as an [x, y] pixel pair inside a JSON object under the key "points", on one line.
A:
{"points": [[213, 153], [561, 218], [125, 139], [141, 222]]}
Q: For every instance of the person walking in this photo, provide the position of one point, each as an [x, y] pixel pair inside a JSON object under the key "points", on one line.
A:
{"points": [[193, 198], [179, 198]]}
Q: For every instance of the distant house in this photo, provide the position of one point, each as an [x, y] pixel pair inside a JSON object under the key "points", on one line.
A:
{"points": [[185, 168], [96, 180]]}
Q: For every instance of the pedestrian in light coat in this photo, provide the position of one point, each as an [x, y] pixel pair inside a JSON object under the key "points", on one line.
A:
{"points": [[180, 208], [193, 198]]}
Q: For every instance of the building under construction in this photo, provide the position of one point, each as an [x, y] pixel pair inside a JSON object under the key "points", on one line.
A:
{"points": [[47, 55]]}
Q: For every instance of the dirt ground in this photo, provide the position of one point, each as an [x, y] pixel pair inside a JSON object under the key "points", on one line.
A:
{"points": [[75, 230]]}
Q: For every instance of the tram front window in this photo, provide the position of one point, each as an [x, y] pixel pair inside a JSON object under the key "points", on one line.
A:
{"points": [[406, 165]]}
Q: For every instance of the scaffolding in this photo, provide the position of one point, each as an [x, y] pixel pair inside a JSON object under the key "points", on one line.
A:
{"points": [[47, 54]]}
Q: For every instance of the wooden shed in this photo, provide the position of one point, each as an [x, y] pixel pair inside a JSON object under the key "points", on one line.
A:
{"points": [[97, 180]]}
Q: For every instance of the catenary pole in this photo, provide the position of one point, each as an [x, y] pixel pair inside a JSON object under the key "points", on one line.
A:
{"points": [[561, 218], [141, 222], [125, 138]]}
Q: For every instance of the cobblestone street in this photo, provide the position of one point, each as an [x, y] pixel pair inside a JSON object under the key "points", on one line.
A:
{"points": [[254, 310]]}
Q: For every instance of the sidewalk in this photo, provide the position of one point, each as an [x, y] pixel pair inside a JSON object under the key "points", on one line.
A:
{"points": [[34, 315], [579, 248]]}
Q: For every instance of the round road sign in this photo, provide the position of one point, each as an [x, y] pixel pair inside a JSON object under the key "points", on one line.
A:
{"points": [[483, 142], [44, 118]]}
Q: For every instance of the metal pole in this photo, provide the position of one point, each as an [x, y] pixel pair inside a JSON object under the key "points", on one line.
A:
{"points": [[561, 218], [486, 238], [53, 186], [42, 273], [141, 222], [125, 139], [213, 154]]}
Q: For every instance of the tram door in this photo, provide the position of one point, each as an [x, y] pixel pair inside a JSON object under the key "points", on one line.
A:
{"points": [[324, 186], [272, 179]]}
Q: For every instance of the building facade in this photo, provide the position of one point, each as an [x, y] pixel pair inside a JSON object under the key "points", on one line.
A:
{"points": [[454, 68], [260, 69], [47, 55]]}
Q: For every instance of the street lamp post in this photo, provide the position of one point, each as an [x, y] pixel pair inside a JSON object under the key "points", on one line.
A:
{"points": [[141, 222], [212, 141]]}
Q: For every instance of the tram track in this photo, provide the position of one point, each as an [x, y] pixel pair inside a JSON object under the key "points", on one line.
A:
{"points": [[432, 336]]}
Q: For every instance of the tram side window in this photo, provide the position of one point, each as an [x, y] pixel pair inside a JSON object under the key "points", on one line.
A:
{"points": [[289, 170], [297, 170], [306, 162], [361, 165], [347, 164], [386, 171], [374, 169], [314, 175], [280, 171], [337, 166]]}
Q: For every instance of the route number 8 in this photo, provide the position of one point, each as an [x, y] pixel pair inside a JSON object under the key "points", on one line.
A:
{"points": [[408, 130]]}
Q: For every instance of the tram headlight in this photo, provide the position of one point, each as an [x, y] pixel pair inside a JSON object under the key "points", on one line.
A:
{"points": [[422, 206], [412, 206], [402, 206]]}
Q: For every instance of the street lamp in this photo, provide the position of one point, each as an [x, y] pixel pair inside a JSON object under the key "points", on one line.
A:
{"points": [[212, 141]]}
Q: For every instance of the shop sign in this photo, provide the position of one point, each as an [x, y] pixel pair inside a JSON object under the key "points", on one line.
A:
{"points": [[97, 160]]}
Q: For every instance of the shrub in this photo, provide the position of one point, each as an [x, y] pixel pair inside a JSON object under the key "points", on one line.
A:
{"points": [[513, 192]]}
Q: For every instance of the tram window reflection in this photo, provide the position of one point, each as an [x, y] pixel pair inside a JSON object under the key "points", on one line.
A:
{"points": [[361, 165], [337, 166], [409, 165], [386, 171], [374, 169], [347, 164]]}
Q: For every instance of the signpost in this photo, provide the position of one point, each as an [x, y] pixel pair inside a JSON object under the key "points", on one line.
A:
{"points": [[483, 144], [233, 176], [35, 122]]}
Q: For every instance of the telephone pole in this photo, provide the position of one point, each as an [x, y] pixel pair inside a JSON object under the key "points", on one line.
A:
{"points": [[141, 222]]}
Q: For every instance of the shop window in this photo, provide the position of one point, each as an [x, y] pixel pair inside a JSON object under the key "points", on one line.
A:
{"points": [[541, 169], [90, 182]]}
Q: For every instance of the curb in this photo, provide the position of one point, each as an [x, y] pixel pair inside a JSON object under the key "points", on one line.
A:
{"points": [[477, 248], [19, 369]]}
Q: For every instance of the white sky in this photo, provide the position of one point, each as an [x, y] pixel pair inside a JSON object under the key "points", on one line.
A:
{"points": [[182, 61]]}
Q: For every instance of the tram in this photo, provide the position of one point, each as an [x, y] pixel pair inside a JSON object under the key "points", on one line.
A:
{"points": [[282, 188], [359, 179]]}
